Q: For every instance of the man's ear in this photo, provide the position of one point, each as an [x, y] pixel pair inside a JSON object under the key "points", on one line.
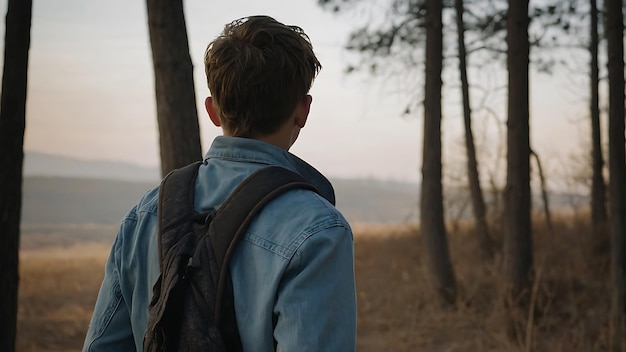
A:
{"points": [[210, 109], [302, 110]]}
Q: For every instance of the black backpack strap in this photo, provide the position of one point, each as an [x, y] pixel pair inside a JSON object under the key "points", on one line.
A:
{"points": [[178, 188], [240, 208]]}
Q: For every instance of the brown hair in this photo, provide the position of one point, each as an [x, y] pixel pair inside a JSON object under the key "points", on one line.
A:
{"points": [[258, 70]]}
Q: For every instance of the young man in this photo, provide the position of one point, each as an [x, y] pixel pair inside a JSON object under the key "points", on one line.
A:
{"points": [[293, 271]]}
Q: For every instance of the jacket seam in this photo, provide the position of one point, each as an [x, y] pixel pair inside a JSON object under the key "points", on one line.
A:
{"points": [[112, 309], [288, 252]]}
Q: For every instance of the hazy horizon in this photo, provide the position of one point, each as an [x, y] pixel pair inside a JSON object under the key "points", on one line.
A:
{"points": [[57, 165]]}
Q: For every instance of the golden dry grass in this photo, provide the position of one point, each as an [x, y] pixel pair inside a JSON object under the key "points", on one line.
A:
{"points": [[396, 308], [58, 288], [398, 312]]}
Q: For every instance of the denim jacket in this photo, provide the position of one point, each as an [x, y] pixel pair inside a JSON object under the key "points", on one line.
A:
{"points": [[292, 272]]}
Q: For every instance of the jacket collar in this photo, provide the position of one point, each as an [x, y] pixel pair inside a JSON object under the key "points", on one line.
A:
{"points": [[256, 151]]}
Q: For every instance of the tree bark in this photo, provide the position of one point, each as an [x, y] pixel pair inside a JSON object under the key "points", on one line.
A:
{"points": [[518, 254], [12, 123], [431, 204], [478, 203], [598, 188], [617, 169], [177, 114]]}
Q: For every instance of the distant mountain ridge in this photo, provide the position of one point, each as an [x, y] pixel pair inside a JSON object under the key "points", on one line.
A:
{"points": [[67, 200], [42, 164], [58, 190]]}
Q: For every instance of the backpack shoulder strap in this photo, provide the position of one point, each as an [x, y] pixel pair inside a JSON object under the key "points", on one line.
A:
{"points": [[176, 200], [240, 208]]}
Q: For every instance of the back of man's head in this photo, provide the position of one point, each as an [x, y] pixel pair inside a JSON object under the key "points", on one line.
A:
{"points": [[258, 70]]}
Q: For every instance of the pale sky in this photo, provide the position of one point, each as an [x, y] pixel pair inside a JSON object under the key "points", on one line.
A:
{"points": [[91, 92]]}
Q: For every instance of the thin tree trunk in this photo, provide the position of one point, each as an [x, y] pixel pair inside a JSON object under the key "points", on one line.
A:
{"points": [[598, 188], [478, 202], [431, 205], [617, 168], [175, 93], [518, 254], [544, 193], [12, 122]]}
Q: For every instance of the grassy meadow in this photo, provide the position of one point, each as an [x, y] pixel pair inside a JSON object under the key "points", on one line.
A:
{"points": [[396, 307]]}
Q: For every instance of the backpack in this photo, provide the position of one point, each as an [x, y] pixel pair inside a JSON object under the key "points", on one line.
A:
{"points": [[192, 307]]}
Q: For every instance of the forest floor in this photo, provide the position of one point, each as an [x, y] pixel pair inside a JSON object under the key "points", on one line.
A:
{"points": [[397, 309]]}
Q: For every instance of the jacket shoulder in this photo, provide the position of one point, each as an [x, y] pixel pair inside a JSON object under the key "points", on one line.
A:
{"points": [[291, 219]]}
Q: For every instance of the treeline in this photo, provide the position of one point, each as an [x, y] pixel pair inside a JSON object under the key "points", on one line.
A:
{"points": [[402, 36]]}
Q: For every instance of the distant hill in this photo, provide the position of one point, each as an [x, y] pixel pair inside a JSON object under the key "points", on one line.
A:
{"points": [[58, 200], [41, 164], [59, 189]]}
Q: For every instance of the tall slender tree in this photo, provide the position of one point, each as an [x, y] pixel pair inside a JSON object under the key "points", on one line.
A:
{"points": [[397, 40], [617, 169], [431, 205], [12, 123], [598, 188], [177, 114], [518, 254], [478, 202]]}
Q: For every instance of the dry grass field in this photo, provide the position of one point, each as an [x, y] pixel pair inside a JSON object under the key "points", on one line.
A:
{"points": [[397, 310]]}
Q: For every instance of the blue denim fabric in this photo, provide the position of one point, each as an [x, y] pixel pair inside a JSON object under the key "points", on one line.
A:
{"points": [[293, 271]]}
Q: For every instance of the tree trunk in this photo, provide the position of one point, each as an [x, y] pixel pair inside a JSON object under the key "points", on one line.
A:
{"points": [[617, 169], [518, 254], [12, 122], [173, 76], [478, 202], [598, 188], [431, 205], [544, 193]]}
